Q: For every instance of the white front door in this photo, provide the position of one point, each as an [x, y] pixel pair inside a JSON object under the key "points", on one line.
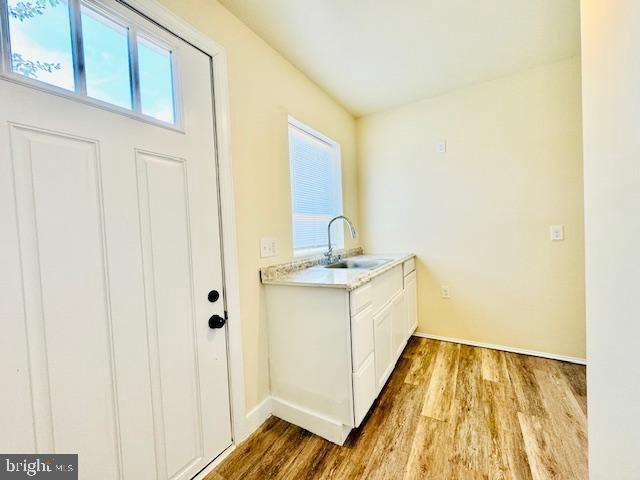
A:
{"points": [[109, 247]]}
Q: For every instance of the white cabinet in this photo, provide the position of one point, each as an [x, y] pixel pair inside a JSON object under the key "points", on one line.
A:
{"points": [[361, 336], [411, 302], [390, 337], [365, 389], [331, 350], [398, 325], [382, 331]]}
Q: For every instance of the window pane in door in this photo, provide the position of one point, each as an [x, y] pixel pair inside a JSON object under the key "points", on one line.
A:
{"points": [[106, 58], [156, 81], [40, 40]]}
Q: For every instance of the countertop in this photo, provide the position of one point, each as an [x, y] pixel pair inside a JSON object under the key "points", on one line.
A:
{"points": [[319, 276]]}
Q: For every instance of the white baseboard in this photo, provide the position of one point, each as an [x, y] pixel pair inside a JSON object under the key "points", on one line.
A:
{"points": [[552, 356], [325, 427], [257, 416]]}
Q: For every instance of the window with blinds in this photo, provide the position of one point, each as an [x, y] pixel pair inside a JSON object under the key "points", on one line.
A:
{"points": [[316, 189]]}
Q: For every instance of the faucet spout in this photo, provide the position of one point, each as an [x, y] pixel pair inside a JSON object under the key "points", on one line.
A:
{"points": [[352, 231]]}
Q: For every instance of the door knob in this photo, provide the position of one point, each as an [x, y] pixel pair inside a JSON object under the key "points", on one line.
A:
{"points": [[216, 321]]}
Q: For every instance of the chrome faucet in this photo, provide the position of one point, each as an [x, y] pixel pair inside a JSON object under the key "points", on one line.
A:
{"points": [[352, 230]]}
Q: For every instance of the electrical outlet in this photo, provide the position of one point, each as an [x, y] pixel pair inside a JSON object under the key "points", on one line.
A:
{"points": [[445, 292], [268, 247], [556, 232], [441, 146]]}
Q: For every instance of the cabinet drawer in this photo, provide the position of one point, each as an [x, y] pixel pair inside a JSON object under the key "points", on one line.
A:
{"points": [[364, 389], [360, 298], [385, 287], [361, 337], [409, 266]]}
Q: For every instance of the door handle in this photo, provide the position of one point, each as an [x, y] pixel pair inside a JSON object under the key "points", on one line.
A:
{"points": [[216, 321]]}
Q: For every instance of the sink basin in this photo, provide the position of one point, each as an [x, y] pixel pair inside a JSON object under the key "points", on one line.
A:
{"points": [[363, 263]]}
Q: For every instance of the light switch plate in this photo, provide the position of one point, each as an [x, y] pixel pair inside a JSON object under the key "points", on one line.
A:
{"points": [[268, 247], [441, 146], [556, 232], [445, 292]]}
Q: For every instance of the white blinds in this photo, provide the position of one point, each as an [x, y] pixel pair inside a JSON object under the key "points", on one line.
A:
{"points": [[316, 188]]}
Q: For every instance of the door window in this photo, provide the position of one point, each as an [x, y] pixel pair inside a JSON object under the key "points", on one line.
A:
{"points": [[40, 45], [81, 47], [106, 59], [156, 80]]}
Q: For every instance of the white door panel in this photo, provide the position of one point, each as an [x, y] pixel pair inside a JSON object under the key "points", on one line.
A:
{"points": [[66, 297], [15, 400], [168, 283], [108, 247]]}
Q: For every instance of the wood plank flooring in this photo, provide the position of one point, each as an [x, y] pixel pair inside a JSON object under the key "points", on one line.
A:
{"points": [[449, 411]]}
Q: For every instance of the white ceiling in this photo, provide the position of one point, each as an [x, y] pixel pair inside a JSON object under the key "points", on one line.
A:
{"points": [[371, 55]]}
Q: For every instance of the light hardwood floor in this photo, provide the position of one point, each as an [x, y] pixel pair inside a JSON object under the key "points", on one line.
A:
{"points": [[448, 412]]}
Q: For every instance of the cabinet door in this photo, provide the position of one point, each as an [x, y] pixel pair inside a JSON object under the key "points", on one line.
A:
{"points": [[364, 389], [361, 337], [398, 326], [411, 302], [383, 351]]}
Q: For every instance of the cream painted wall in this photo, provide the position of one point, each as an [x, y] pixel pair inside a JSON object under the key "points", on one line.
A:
{"points": [[611, 96], [478, 216], [264, 90]]}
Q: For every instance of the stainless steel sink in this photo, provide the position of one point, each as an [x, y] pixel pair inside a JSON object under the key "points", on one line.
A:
{"points": [[363, 263]]}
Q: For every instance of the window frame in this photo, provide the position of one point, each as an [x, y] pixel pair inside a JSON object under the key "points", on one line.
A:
{"points": [[337, 153], [118, 14]]}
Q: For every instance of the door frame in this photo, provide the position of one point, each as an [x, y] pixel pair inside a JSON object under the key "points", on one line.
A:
{"points": [[166, 19]]}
